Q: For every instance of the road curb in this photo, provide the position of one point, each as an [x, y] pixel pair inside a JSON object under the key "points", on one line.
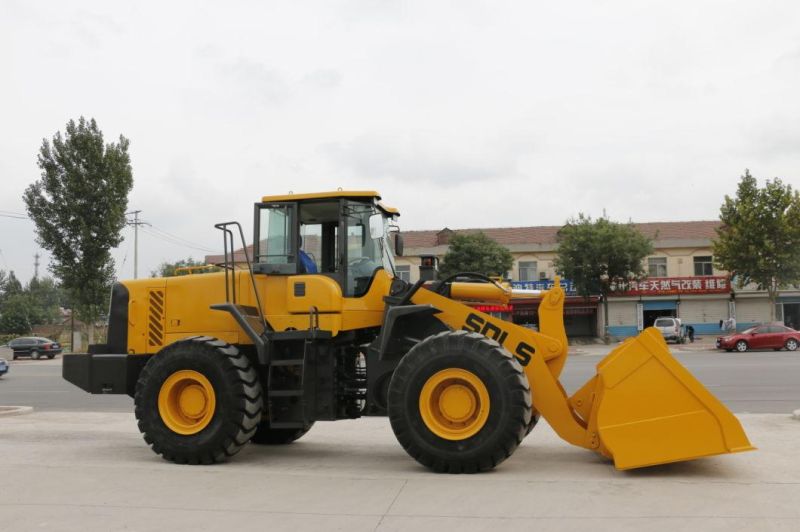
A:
{"points": [[796, 414], [8, 411]]}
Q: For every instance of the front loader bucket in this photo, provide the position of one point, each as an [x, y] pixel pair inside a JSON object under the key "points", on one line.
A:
{"points": [[648, 409]]}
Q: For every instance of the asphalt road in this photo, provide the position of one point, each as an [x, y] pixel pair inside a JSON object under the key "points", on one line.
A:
{"points": [[756, 382]]}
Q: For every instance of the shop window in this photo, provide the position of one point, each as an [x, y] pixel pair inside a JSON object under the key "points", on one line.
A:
{"points": [[527, 270], [657, 267], [703, 266], [403, 272]]}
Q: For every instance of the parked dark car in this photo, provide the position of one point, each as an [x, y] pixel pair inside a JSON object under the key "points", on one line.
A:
{"points": [[3, 366], [34, 347], [761, 337]]}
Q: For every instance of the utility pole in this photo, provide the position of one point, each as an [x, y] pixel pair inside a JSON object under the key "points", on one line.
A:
{"points": [[135, 223], [36, 266]]}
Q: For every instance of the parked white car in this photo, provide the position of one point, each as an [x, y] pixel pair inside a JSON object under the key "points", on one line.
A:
{"points": [[671, 328]]}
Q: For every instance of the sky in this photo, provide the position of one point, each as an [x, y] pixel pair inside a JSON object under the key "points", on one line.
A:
{"points": [[461, 114]]}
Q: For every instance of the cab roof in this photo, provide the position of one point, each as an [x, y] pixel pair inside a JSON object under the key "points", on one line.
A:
{"points": [[334, 194]]}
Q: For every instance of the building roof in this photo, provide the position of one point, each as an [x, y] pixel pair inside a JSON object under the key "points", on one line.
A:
{"points": [[548, 234], [545, 237], [238, 257]]}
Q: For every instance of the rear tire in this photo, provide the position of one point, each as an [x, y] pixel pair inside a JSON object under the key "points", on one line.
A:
{"points": [[741, 346], [224, 423], [486, 398], [791, 344], [51, 357], [268, 436]]}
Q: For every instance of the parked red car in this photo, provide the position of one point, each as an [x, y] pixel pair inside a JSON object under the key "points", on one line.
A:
{"points": [[761, 337]]}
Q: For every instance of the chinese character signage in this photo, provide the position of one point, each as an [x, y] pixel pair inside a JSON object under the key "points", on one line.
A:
{"points": [[568, 287], [663, 286]]}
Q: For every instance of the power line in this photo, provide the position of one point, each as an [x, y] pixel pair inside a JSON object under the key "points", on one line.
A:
{"points": [[180, 239], [173, 241], [13, 215]]}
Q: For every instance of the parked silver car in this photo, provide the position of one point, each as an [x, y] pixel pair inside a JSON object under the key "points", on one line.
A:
{"points": [[671, 328]]}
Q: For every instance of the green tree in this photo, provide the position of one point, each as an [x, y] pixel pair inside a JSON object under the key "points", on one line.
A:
{"points": [[15, 315], [78, 206], [759, 240], [477, 253], [9, 286], [45, 297], [168, 269], [598, 254]]}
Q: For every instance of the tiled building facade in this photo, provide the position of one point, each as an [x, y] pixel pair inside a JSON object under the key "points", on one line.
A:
{"points": [[681, 282]]}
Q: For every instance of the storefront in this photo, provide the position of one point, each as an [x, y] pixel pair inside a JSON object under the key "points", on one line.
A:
{"points": [[701, 302], [789, 311]]}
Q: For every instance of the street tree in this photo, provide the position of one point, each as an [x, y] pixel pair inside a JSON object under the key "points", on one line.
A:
{"points": [[9, 286], [759, 239], [78, 207], [15, 315], [477, 253], [45, 298], [171, 269], [14, 306], [597, 255]]}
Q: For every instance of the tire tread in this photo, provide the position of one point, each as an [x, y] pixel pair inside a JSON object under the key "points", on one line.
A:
{"points": [[236, 432]]}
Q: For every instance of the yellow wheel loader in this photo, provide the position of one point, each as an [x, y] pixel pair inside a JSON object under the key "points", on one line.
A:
{"points": [[315, 326]]}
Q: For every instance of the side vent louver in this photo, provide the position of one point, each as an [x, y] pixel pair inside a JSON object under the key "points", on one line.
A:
{"points": [[156, 319]]}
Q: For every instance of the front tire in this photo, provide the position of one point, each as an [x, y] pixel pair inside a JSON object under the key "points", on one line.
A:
{"points": [[35, 355], [459, 403], [198, 401], [741, 346], [791, 344]]}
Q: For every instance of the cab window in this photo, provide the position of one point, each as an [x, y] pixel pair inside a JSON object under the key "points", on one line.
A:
{"points": [[275, 235]]}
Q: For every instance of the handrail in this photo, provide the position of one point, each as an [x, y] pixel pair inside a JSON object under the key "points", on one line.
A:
{"points": [[228, 233]]}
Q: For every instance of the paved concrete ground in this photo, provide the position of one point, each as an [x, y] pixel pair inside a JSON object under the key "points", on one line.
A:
{"points": [[92, 471]]}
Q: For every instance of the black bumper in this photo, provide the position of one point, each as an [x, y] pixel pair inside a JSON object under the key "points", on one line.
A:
{"points": [[104, 373]]}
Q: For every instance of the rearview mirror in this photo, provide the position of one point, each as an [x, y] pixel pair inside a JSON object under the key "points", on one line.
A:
{"points": [[398, 245], [376, 226]]}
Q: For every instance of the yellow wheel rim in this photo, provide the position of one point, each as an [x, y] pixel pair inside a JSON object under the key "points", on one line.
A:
{"points": [[186, 402], [454, 404]]}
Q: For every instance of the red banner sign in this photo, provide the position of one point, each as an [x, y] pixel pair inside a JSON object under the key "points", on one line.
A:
{"points": [[665, 286]]}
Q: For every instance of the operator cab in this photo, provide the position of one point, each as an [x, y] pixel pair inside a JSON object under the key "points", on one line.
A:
{"points": [[341, 235]]}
